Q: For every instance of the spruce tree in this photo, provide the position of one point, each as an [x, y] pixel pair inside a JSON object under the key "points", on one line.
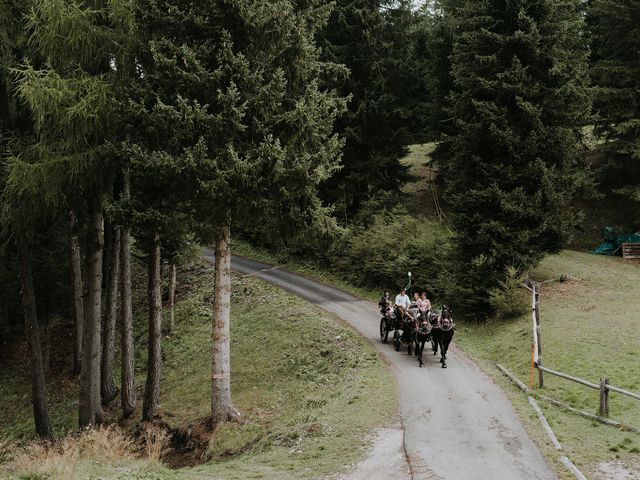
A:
{"points": [[373, 39], [19, 216], [519, 101], [71, 165], [245, 81], [615, 73]]}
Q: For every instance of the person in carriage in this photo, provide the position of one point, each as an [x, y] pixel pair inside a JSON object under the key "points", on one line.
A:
{"points": [[424, 305], [402, 303], [385, 302]]}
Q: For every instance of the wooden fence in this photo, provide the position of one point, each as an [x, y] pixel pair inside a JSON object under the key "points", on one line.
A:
{"points": [[631, 251], [603, 386]]}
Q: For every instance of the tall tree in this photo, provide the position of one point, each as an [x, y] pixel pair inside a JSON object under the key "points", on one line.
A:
{"points": [[38, 385], [75, 260], [519, 102], [72, 103], [615, 72], [247, 82], [152, 388], [373, 39], [161, 125], [127, 357], [107, 381], [272, 147], [18, 209]]}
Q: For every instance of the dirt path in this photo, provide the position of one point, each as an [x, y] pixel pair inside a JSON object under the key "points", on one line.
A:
{"points": [[458, 424]]}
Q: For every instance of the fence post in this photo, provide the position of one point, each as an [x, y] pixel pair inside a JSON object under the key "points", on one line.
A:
{"points": [[536, 295], [604, 397]]}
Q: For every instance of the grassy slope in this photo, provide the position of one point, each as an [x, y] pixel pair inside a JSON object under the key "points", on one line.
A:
{"points": [[599, 308], [310, 389], [589, 329]]}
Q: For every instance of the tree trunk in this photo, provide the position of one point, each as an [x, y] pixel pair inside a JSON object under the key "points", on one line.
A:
{"points": [[46, 344], [76, 287], [127, 378], [107, 382], [90, 405], [152, 388], [222, 408], [38, 385], [172, 296], [107, 248]]}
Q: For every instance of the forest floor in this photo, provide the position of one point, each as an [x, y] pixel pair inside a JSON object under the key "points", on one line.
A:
{"points": [[312, 393]]}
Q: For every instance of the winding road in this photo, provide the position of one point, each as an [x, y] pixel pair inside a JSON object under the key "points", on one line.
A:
{"points": [[458, 424]]}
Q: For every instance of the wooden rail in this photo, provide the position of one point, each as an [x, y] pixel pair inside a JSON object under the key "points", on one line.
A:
{"points": [[603, 386], [631, 251], [623, 392], [586, 383], [582, 413]]}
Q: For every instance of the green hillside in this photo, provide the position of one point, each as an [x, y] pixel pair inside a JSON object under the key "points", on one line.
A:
{"points": [[590, 329], [309, 389]]}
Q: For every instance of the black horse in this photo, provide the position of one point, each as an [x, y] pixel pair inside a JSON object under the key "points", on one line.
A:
{"points": [[423, 335], [408, 325], [442, 334]]}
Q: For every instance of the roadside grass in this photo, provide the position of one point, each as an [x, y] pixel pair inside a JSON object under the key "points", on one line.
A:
{"points": [[311, 391], [307, 267], [590, 329]]}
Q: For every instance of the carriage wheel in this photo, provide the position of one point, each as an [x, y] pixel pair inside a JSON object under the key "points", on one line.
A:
{"points": [[384, 333], [396, 341]]}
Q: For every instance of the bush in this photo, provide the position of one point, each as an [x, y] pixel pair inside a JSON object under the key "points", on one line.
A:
{"points": [[394, 244], [509, 300]]}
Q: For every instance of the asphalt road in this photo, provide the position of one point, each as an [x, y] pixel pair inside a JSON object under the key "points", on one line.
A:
{"points": [[458, 424]]}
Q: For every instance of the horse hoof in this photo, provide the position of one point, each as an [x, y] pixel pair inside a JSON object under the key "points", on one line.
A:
{"points": [[444, 365]]}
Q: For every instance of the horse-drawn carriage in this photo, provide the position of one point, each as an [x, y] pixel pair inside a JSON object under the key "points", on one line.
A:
{"points": [[413, 328]]}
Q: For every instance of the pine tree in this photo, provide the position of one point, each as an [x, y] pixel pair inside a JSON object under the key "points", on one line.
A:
{"points": [[245, 81], [18, 217], [615, 72], [520, 99], [373, 39], [71, 162]]}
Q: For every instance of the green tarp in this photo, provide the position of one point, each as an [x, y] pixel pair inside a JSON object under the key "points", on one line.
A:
{"points": [[612, 242]]}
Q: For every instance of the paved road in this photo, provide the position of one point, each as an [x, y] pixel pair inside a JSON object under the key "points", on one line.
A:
{"points": [[458, 424]]}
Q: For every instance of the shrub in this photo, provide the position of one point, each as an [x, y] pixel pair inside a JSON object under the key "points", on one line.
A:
{"points": [[394, 244], [508, 300]]}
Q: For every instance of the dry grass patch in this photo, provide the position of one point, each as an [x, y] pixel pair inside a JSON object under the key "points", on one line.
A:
{"points": [[75, 456]]}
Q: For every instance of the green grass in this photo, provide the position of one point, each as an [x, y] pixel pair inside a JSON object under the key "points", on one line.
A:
{"points": [[310, 389], [590, 329], [307, 267]]}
